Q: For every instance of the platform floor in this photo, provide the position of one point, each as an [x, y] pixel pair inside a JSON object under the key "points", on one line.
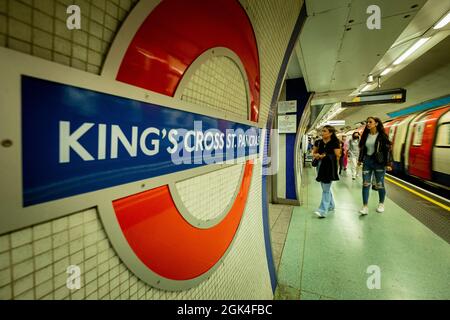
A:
{"points": [[279, 220], [329, 258]]}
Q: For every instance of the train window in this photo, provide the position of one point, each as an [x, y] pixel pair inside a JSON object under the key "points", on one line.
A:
{"points": [[418, 133], [443, 135]]}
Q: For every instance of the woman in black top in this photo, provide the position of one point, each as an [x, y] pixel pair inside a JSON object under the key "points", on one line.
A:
{"points": [[327, 151], [376, 157]]}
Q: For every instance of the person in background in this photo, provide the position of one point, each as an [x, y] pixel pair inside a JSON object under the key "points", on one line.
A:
{"points": [[327, 151], [342, 159], [376, 157], [310, 145], [353, 154], [345, 150]]}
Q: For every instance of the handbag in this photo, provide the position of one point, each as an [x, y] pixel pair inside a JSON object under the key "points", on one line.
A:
{"points": [[315, 162], [379, 156]]}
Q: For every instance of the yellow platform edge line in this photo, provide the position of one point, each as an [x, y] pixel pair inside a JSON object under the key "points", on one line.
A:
{"points": [[419, 194]]}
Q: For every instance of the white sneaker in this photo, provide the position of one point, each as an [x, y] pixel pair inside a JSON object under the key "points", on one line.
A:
{"points": [[319, 214], [380, 208], [364, 211]]}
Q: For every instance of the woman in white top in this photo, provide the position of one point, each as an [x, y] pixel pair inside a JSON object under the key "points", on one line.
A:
{"points": [[376, 157]]}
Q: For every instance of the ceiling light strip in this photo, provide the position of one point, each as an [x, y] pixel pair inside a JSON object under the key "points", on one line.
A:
{"points": [[411, 50], [443, 22]]}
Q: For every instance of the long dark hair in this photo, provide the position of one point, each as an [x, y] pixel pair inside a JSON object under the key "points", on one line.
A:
{"points": [[332, 130], [380, 129]]}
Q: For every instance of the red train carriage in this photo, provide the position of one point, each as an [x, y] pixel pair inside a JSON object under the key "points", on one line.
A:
{"points": [[421, 144], [423, 130]]}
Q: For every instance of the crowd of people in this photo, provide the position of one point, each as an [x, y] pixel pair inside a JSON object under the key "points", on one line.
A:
{"points": [[369, 153]]}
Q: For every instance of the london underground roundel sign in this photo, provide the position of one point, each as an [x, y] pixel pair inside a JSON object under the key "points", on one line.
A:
{"points": [[109, 141], [182, 31]]}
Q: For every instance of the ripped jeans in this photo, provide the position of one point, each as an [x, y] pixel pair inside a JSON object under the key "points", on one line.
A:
{"points": [[370, 166]]}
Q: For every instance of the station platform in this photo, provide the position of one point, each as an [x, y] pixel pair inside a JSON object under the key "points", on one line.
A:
{"points": [[333, 258]]}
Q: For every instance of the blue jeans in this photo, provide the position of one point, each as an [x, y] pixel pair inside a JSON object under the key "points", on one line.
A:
{"points": [[327, 202], [370, 167]]}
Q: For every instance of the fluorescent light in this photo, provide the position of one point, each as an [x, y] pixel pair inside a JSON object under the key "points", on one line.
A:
{"points": [[366, 87], [410, 51], [386, 71], [443, 22]]}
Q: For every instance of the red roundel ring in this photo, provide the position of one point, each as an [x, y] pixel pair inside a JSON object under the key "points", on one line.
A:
{"points": [[171, 38], [177, 32]]}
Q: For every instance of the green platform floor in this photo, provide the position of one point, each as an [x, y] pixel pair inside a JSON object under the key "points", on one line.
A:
{"points": [[329, 258]]}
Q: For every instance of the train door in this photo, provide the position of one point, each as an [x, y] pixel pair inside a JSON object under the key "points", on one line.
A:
{"points": [[408, 138], [392, 130], [422, 141], [441, 152], [399, 151]]}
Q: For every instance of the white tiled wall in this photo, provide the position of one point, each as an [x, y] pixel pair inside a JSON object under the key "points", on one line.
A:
{"points": [[38, 27], [217, 84], [228, 94], [208, 195], [33, 261], [273, 22]]}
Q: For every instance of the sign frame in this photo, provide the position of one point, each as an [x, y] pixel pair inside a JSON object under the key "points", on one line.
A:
{"points": [[288, 106], [370, 98], [13, 216], [110, 82], [292, 121]]}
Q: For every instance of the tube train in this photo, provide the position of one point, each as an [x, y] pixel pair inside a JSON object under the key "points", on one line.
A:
{"points": [[421, 145]]}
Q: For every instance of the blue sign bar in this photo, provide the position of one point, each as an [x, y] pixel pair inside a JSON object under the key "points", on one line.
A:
{"points": [[76, 140], [421, 107]]}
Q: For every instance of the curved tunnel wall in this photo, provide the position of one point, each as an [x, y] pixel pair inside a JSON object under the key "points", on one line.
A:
{"points": [[33, 260]]}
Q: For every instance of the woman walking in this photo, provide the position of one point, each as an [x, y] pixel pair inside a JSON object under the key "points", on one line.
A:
{"points": [[376, 157], [353, 154], [327, 152]]}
